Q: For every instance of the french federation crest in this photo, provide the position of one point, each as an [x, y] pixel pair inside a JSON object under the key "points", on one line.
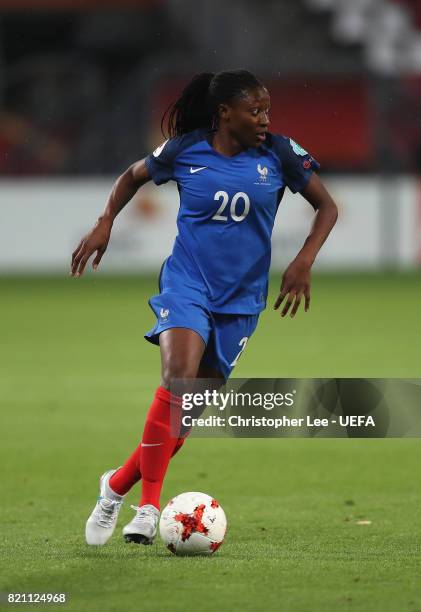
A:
{"points": [[163, 313], [296, 147], [263, 172]]}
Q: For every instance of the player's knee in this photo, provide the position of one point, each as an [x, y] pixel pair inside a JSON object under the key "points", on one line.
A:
{"points": [[180, 371]]}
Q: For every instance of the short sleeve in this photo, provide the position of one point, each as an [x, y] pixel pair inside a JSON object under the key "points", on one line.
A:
{"points": [[297, 164], [160, 163]]}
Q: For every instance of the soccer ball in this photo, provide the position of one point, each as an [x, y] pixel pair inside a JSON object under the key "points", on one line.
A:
{"points": [[193, 524]]}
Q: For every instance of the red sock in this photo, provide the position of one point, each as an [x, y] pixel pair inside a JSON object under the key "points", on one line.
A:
{"points": [[129, 474], [177, 446], [158, 445]]}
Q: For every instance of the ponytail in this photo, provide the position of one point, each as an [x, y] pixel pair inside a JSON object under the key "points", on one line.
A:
{"points": [[192, 109], [197, 107]]}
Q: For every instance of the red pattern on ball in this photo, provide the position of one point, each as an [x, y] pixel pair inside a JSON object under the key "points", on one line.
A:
{"points": [[192, 522]]}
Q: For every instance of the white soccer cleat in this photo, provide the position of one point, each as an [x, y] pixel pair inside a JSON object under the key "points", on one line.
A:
{"points": [[101, 524], [142, 529]]}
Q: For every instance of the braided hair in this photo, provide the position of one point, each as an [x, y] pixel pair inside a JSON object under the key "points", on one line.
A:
{"points": [[199, 101]]}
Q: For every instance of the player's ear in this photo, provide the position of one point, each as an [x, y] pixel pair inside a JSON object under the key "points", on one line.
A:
{"points": [[223, 111]]}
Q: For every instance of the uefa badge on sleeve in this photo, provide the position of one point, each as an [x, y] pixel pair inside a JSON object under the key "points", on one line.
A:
{"points": [[297, 148]]}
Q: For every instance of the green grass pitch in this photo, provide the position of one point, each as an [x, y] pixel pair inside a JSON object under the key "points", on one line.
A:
{"points": [[76, 377]]}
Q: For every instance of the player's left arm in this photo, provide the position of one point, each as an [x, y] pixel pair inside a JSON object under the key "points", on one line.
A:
{"points": [[296, 280]]}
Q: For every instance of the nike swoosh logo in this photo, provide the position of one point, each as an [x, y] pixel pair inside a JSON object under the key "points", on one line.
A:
{"points": [[157, 444], [193, 170]]}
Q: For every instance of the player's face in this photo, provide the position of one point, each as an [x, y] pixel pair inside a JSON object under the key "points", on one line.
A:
{"points": [[248, 117]]}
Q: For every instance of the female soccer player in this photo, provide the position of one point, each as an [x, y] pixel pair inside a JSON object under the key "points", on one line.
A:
{"points": [[231, 174]]}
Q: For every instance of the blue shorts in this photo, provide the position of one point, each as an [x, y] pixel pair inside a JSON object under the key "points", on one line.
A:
{"points": [[225, 335]]}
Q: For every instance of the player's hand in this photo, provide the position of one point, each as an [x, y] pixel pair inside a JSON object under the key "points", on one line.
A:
{"points": [[95, 240], [295, 285]]}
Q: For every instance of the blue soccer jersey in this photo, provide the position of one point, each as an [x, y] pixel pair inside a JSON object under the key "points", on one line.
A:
{"points": [[221, 255]]}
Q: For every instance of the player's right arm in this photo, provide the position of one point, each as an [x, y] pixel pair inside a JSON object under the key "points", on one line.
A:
{"points": [[96, 240]]}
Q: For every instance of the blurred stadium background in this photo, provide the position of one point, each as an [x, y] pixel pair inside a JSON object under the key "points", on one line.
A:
{"points": [[83, 86]]}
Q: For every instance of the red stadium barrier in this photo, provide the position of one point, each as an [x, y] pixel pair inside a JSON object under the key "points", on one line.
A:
{"points": [[328, 116]]}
